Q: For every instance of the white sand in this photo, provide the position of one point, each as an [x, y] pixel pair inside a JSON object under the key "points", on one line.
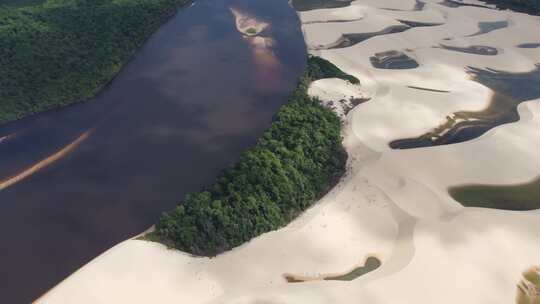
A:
{"points": [[392, 204]]}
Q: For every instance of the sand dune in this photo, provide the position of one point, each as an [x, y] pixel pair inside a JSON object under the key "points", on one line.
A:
{"points": [[392, 204]]}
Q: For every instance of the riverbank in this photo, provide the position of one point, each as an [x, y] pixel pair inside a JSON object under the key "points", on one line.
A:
{"points": [[391, 204], [63, 52], [164, 127]]}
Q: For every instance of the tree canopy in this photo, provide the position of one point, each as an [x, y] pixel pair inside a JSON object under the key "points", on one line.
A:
{"points": [[58, 52]]}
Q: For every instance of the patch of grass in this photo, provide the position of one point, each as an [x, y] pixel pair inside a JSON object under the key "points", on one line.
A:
{"points": [[510, 197], [59, 52]]}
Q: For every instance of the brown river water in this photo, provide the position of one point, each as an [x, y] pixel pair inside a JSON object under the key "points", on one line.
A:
{"points": [[76, 181]]}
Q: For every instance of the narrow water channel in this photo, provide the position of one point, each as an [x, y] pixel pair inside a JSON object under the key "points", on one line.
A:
{"points": [[93, 174]]}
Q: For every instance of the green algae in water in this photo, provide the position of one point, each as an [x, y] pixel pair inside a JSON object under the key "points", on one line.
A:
{"points": [[518, 197], [510, 89]]}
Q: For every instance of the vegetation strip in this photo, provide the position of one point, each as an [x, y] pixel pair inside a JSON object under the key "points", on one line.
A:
{"points": [[57, 52], [296, 161]]}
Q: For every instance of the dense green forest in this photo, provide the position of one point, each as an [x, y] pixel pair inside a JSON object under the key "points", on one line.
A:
{"points": [[526, 6], [57, 52], [297, 159]]}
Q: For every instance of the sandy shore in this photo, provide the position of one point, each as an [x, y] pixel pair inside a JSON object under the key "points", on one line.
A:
{"points": [[392, 204]]}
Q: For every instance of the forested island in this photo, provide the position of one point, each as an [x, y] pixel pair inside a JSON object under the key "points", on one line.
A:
{"points": [[58, 52], [298, 159]]}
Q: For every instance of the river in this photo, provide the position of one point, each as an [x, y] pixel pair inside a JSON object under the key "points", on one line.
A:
{"points": [[76, 181]]}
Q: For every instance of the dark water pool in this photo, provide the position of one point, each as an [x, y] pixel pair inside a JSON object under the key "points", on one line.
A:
{"points": [[189, 103], [510, 89], [307, 5]]}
